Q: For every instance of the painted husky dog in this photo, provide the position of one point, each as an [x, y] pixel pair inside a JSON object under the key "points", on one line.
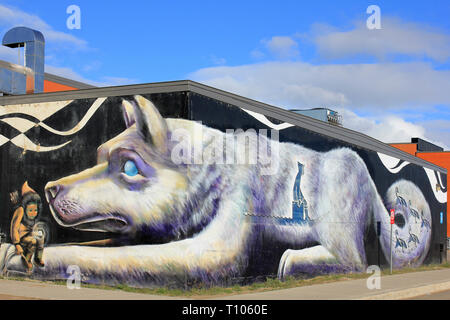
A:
{"points": [[211, 222]]}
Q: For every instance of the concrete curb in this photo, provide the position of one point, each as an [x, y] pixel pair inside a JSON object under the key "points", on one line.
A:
{"points": [[411, 292]]}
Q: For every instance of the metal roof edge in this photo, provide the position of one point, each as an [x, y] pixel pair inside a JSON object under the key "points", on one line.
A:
{"points": [[344, 134], [113, 91]]}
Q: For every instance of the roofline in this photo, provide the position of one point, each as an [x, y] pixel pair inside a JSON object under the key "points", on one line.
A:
{"points": [[96, 92], [67, 82], [318, 108], [352, 137]]}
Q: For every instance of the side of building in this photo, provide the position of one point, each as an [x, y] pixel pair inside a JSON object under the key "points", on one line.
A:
{"points": [[178, 183]]}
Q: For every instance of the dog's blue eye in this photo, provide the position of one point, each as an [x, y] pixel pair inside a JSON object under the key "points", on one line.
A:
{"points": [[130, 168]]}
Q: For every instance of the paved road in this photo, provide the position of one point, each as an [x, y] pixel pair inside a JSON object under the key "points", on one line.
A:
{"points": [[399, 286], [402, 286], [444, 295], [13, 290], [10, 297]]}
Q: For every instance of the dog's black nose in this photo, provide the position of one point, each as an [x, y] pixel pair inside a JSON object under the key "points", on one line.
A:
{"points": [[52, 191]]}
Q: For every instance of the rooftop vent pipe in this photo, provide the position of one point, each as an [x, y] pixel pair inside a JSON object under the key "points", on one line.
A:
{"points": [[34, 43]]}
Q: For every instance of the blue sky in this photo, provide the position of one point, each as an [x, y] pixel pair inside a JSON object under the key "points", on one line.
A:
{"points": [[392, 83]]}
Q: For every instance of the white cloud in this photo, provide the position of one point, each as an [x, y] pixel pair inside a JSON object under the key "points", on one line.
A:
{"points": [[217, 60], [339, 87], [395, 37], [408, 89], [9, 54], [118, 81], [379, 87], [93, 65], [55, 40], [13, 17], [283, 47], [257, 54], [438, 132], [387, 129], [393, 129]]}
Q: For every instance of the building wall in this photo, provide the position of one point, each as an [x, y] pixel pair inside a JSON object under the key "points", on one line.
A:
{"points": [[176, 189], [441, 159]]}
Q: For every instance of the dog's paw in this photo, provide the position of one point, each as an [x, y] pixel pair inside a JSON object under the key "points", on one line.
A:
{"points": [[285, 264], [310, 261]]}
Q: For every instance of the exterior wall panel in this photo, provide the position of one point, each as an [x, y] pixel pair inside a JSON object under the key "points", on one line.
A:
{"points": [[128, 198]]}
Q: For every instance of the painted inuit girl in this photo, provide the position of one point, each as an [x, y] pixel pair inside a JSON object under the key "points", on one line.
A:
{"points": [[22, 225]]}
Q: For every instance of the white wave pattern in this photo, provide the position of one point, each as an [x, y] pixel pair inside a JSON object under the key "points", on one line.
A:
{"points": [[23, 125], [440, 181], [97, 104], [23, 142], [391, 163], [40, 111], [262, 118], [3, 140], [438, 193]]}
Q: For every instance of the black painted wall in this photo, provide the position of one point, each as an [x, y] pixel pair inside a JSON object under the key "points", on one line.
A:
{"points": [[39, 168]]}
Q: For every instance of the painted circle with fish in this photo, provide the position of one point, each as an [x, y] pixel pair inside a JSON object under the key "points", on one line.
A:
{"points": [[411, 232]]}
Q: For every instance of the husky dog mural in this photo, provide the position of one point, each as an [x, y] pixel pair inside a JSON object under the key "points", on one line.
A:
{"points": [[202, 221]]}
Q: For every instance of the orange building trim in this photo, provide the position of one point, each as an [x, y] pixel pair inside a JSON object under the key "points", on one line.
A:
{"points": [[50, 86], [410, 148]]}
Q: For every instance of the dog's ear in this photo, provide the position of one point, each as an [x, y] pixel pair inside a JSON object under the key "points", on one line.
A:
{"points": [[149, 122], [128, 113]]}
